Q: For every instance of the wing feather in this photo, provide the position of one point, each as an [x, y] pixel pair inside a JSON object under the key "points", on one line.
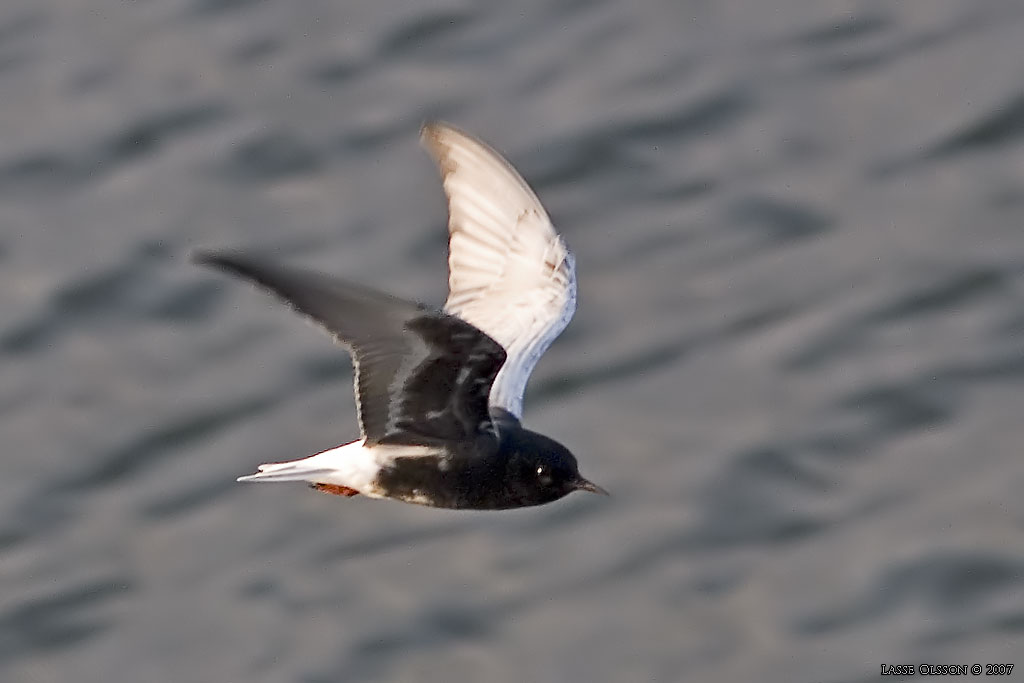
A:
{"points": [[510, 274], [423, 377]]}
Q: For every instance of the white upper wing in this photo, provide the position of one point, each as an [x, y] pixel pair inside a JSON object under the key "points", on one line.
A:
{"points": [[510, 274]]}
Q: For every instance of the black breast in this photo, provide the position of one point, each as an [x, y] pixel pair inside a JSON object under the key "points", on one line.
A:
{"points": [[475, 476]]}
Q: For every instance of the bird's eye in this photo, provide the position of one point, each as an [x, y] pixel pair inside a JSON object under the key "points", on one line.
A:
{"points": [[544, 476]]}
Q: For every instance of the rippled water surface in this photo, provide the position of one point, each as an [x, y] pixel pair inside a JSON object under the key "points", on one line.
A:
{"points": [[798, 360]]}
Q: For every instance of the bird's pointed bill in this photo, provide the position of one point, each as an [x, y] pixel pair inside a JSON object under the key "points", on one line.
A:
{"points": [[584, 485]]}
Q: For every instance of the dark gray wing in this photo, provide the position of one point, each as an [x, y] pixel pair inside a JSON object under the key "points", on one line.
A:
{"points": [[422, 376]]}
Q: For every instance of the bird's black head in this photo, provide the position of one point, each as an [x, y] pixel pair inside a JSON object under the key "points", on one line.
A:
{"points": [[543, 470]]}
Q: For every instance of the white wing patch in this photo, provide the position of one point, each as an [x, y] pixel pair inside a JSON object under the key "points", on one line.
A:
{"points": [[510, 274]]}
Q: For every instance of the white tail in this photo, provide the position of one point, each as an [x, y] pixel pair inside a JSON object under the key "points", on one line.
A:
{"points": [[298, 470], [348, 465]]}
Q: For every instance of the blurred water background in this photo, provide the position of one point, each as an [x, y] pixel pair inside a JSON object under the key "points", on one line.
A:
{"points": [[798, 360]]}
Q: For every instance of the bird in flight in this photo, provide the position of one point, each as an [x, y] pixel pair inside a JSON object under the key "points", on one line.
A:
{"points": [[439, 393]]}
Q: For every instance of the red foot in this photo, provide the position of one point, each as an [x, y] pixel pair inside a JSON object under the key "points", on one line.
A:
{"points": [[336, 489]]}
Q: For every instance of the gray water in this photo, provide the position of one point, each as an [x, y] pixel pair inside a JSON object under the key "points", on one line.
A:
{"points": [[798, 359]]}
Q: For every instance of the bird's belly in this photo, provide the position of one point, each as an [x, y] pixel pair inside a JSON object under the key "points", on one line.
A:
{"points": [[444, 482]]}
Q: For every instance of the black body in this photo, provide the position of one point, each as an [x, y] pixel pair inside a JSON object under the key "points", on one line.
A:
{"points": [[519, 469], [423, 378]]}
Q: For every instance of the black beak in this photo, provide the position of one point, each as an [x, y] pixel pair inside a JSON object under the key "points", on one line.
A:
{"points": [[584, 485]]}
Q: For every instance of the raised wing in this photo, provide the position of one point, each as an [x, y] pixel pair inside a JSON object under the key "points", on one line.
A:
{"points": [[510, 274], [422, 376]]}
